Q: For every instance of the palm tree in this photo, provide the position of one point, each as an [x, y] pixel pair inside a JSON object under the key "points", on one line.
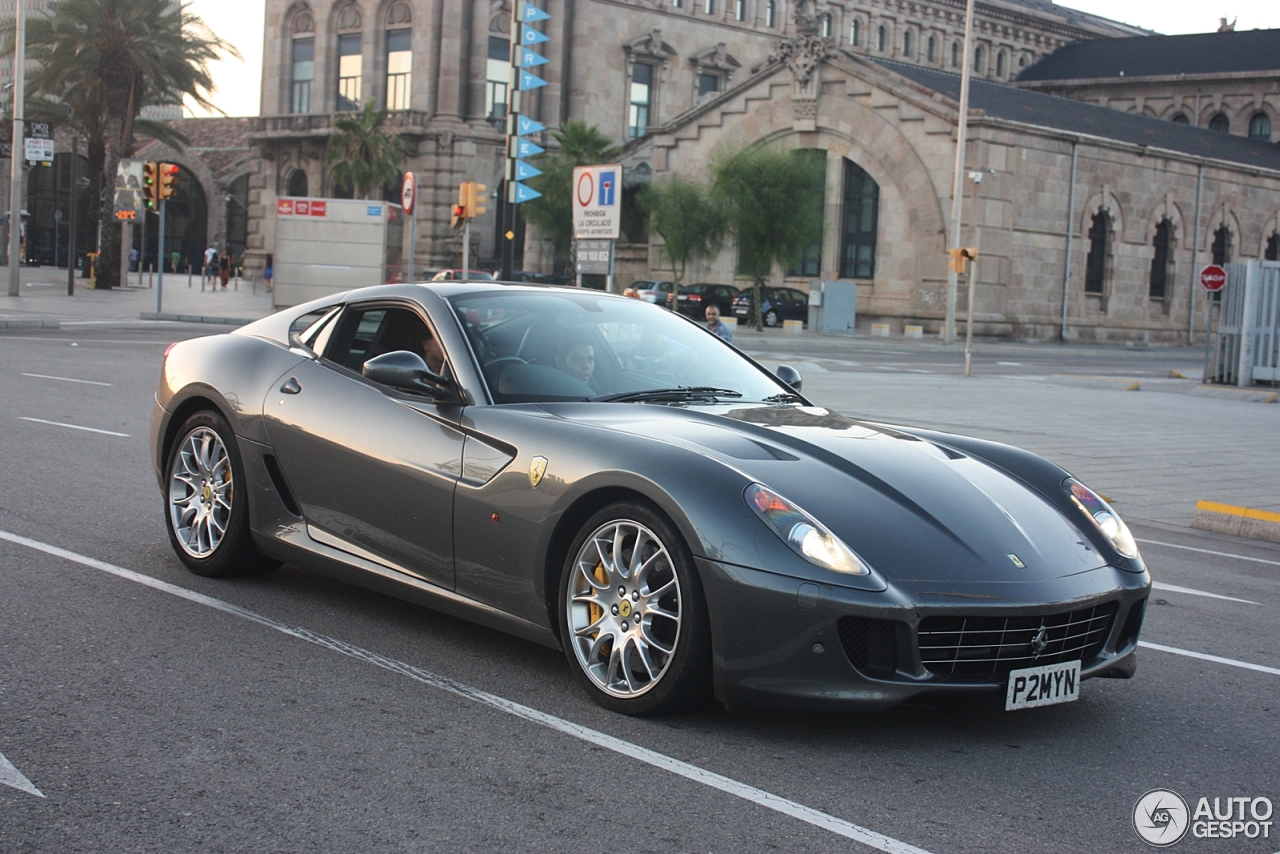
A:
{"points": [[104, 60], [580, 145], [362, 154]]}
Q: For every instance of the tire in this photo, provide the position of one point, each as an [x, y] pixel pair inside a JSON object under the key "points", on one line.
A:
{"points": [[771, 318], [206, 501], [663, 663]]}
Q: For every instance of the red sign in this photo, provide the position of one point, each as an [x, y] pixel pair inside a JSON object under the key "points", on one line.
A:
{"points": [[1213, 277], [408, 192], [318, 208], [284, 207], [302, 207]]}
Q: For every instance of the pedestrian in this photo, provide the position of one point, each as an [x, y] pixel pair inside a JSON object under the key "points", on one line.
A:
{"points": [[133, 259], [175, 258], [268, 272], [716, 325], [210, 269], [224, 268]]}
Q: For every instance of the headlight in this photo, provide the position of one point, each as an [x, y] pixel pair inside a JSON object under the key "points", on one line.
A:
{"points": [[808, 537], [1101, 514]]}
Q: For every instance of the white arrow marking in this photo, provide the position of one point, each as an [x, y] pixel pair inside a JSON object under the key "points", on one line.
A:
{"points": [[11, 776]]}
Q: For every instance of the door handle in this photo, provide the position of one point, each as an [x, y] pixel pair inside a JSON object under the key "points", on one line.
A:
{"points": [[291, 386]]}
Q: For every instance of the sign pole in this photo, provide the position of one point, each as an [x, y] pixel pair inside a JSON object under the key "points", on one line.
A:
{"points": [[957, 191], [466, 250], [17, 154], [160, 260], [142, 253], [71, 224], [413, 233]]}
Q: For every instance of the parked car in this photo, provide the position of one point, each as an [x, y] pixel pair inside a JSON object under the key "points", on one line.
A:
{"points": [[456, 275], [650, 290], [596, 475], [779, 304], [695, 298]]}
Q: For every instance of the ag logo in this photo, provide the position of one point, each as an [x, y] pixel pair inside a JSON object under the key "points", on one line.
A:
{"points": [[1161, 818], [537, 468]]}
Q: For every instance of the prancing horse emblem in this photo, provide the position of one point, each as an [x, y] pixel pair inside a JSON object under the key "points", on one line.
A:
{"points": [[1039, 642], [537, 468]]}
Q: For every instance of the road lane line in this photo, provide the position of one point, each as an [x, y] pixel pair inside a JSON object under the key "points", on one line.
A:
{"points": [[818, 819], [10, 776], [1209, 552], [1261, 668], [72, 426], [1173, 588], [64, 379]]}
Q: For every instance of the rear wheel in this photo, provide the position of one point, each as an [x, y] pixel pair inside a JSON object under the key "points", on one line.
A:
{"points": [[632, 613], [771, 318], [205, 501]]}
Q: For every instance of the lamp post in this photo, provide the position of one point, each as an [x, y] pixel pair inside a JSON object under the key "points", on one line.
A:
{"points": [[17, 152], [949, 327]]}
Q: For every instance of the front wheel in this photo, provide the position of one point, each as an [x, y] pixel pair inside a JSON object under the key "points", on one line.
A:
{"points": [[206, 504], [633, 615]]}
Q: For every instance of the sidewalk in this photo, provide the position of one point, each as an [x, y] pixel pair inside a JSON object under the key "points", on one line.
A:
{"points": [[44, 300]]}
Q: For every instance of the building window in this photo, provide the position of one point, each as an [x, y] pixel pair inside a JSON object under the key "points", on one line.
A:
{"points": [[810, 261], [999, 64], [297, 184], [1181, 119], [853, 33], [708, 84], [955, 54], [1160, 261], [861, 214], [1095, 271], [770, 13], [1260, 127], [303, 75], [826, 25], [1221, 249], [1272, 252], [350, 64], [641, 99], [931, 48], [399, 68], [906, 43], [880, 37], [711, 7], [1022, 61], [740, 10], [979, 56], [497, 77], [679, 4], [1220, 122]]}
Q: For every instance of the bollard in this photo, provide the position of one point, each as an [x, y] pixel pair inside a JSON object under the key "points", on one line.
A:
{"points": [[150, 274], [188, 274]]}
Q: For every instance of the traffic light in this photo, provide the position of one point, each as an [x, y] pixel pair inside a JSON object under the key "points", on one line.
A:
{"points": [[168, 186], [460, 209], [150, 185], [473, 199], [959, 256]]}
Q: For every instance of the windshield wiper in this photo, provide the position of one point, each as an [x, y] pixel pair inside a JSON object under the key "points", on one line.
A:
{"points": [[784, 397], [680, 393]]}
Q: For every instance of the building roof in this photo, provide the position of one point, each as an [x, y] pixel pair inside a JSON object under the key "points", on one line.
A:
{"points": [[1065, 114], [1161, 56], [1075, 17]]}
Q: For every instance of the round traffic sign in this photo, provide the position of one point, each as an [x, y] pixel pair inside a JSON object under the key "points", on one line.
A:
{"points": [[408, 192], [1213, 277]]}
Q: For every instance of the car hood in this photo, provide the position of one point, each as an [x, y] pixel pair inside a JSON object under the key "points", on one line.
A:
{"points": [[915, 510]]}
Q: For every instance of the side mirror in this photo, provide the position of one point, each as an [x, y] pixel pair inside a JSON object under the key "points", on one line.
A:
{"points": [[790, 376], [405, 370]]}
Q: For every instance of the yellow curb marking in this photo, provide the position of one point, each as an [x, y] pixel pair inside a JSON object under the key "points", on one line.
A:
{"points": [[1232, 510]]}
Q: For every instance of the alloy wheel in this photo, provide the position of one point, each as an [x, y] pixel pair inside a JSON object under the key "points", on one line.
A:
{"points": [[201, 492]]}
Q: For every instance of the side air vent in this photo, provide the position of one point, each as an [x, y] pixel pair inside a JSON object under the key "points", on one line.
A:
{"points": [[1132, 625], [871, 645], [282, 487]]}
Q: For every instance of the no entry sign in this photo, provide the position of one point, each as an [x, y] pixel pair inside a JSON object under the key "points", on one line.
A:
{"points": [[1213, 277]]}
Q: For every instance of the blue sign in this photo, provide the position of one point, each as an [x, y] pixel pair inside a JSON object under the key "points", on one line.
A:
{"points": [[525, 148], [526, 125], [373, 210], [529, 59], [524, 194], [531, 36], [524, 171], [608, 186], [530, 13], [530, 81]]}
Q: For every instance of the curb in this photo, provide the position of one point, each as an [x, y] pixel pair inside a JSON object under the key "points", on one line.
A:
{"points": [[1229, 393], [196, 318], [29, 324], [1078, 381], [1237, 521]]}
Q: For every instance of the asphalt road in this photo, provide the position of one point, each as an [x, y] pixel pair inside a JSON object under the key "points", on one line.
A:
{"points": [[158, 711]]}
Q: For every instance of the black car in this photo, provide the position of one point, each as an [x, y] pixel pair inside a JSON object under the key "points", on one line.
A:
{"points": [[695, 298], [779, 304]]}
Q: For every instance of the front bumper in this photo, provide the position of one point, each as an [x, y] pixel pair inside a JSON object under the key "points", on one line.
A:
{"points": [[778, 643]]}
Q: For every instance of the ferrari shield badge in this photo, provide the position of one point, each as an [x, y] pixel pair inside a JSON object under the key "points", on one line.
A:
{"points": [[537, 468]]}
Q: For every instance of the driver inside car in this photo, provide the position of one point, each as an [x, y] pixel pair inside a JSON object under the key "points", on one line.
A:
{"points": [[576, 357], [432, 352]]}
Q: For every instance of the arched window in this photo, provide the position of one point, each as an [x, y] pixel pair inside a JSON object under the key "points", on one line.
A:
{"points": [[302, 61], [399, 56], [1222, 245], [1000, 64], [853, 33], [770, 13], [1158, 286], [1220, 122], [297, 184], [1272, 252], [1181, 119], [906, 43], [931, 48], [858, 232], [810, 261], [349, 21], [979, 56], [1260, 127], [1022, 61], [955, 54], [880, 37], [1095, 271]]}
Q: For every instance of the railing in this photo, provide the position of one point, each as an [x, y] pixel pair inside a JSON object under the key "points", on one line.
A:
{"points": [[1247, 348], [412, 122]]}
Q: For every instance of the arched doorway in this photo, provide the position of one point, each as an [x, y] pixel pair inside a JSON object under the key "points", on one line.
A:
{"points": [[49, 203], [238, 215], [186, 228]]}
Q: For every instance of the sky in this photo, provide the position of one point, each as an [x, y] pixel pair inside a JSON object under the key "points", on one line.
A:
{"points": [[240, 22]]}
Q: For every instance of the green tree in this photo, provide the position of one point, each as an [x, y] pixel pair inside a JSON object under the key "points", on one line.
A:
{"points": [[772, 199], [690, 224], [579, 144], [104, 60], [363, 154]]}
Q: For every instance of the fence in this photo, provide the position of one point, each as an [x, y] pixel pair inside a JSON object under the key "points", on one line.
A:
{"points": [[1247, 346]]}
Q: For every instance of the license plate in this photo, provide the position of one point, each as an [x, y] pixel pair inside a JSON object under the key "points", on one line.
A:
{"points": [[1043, 686], [741, 311]]}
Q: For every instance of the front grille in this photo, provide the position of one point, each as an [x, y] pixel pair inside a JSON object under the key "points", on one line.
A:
{"points": [[871, 645], [982, 647]]}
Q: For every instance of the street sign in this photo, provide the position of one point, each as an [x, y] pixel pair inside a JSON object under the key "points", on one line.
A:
{"points": [[408, 192], [39, 150], [1213, 277], [597, 202], [127, 203], [593, 256]]}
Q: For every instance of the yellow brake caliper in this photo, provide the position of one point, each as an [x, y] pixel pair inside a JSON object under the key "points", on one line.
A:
{"points": [[597, 611]]}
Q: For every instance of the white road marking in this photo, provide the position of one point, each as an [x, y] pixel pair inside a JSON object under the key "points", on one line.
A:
{"points": [[1261, 668], [661, 761], [1173, 588], [1010, 364], [64, 379], [1209, 552], [10, 776], [72, 426]]}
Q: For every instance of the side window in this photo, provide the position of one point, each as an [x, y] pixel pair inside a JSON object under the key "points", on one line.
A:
{"points": [[368, 332], [313, 329], [354, 347]]}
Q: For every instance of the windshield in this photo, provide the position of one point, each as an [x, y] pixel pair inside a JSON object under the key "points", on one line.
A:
{"points": [[538, 346]]}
